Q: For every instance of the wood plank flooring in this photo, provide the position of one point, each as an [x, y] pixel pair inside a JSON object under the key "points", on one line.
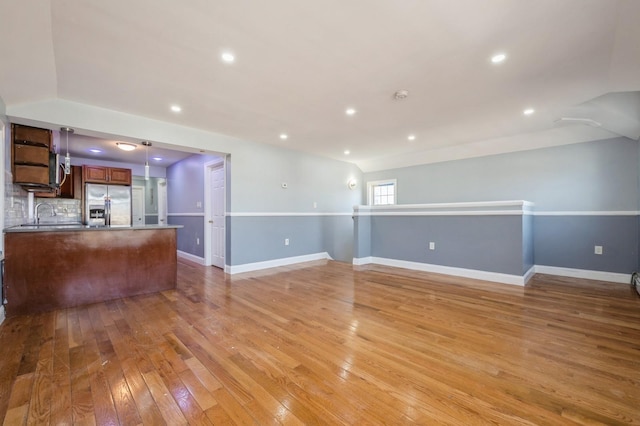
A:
{"points": [[329, 343]]}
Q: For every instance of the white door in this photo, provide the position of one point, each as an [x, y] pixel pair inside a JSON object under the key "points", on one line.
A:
{"points": [[137, 205], [162, 201], [216, 219]]}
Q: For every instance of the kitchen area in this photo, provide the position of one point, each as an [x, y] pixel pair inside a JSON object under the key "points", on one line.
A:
{"points": [[74, 234]]}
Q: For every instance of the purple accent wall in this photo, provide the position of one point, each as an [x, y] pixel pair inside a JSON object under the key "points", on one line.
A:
{"points": [[185, 195]]}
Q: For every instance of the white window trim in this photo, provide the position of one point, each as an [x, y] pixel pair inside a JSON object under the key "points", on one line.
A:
{"points": [[373, 183]]}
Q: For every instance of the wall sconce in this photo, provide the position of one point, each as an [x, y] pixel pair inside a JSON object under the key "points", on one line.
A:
{"points": [[352, 183]]}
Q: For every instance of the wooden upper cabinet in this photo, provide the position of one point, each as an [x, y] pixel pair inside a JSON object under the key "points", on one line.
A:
{"points": [[72, 184], [119, 176], [95, 174], [31, 135], [30, 160], [109, 175]]}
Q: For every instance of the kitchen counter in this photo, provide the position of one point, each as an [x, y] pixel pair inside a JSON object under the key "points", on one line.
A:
{"points": [[57, 227], [54, 267]]}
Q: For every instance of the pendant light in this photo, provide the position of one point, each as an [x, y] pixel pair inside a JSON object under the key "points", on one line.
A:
{"points": [[67, 158], [147, 144]]}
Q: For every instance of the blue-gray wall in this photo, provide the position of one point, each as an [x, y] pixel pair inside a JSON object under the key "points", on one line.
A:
{"points": [[585, 195], [261, 213], [484, 243]]}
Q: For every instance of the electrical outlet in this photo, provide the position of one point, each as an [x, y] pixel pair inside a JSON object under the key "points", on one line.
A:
{"points": [[199, 204], [286, 241], [197, 241], [598, 250], [432, 245], [315, 205]]}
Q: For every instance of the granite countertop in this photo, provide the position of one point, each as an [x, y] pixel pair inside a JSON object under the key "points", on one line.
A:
{"points": [[63, 227]]}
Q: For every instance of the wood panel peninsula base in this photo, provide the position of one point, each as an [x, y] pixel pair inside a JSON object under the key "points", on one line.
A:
{"points": [[47, 269]]}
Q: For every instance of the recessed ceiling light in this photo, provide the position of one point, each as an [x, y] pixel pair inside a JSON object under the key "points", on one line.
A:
{"points": [[283, 136], [500, 57], [126, 146], [347, 152], [350, 111], [157, 158], [176, 108], [528, 111], [411, 137], [228, 57], [95, 150]]}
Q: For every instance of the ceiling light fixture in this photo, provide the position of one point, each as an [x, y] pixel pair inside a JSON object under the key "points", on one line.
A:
{"points": [[176, 108], [411, 137], [95, 150], [147, 144], [67, 158], [228, 57], [126, 146], [528, 111], [283, 136], [350, 111], [157, 158], [499, 58], [347, 152]]}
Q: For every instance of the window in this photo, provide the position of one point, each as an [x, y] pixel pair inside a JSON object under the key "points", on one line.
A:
{"points": [[381, 192]]}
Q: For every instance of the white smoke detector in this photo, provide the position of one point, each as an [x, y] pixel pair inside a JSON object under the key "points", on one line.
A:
{"points": [[400, 95]]}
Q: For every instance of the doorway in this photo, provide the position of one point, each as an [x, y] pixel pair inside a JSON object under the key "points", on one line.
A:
{"points": [[214, 211], [137, 206]]}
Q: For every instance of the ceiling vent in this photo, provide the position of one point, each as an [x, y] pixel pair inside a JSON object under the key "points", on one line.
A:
{"points": [[576, 120]]}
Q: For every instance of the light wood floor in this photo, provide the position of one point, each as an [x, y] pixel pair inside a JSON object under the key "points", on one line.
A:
{"points": [[327, 343]]}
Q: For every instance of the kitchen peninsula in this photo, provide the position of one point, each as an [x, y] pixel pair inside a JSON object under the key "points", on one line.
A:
{"points": [[61, 266]]}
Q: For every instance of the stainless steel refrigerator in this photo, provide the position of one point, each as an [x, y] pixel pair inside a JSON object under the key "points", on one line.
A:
{"points": [[107, 205]]}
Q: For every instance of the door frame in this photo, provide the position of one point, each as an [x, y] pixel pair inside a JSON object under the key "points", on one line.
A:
{"points": [[161, 201], [144, 202], [208, 207]]}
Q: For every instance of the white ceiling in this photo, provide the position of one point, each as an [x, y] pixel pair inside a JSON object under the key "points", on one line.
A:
{"points": [[300, 64]]}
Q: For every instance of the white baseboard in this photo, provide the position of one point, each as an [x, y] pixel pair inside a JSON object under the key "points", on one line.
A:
{"points": [[585, 274], [362, 260], [2, 317], [248, 267], [192, 257], [498, 277], [447, 270]]}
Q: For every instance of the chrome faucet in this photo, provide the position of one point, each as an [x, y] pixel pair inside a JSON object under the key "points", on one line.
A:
{"points": [[53, 210]]}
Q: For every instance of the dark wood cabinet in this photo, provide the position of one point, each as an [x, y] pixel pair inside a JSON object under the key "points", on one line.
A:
{"points": [[30, 156], [72, 185], [110, 175]]}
